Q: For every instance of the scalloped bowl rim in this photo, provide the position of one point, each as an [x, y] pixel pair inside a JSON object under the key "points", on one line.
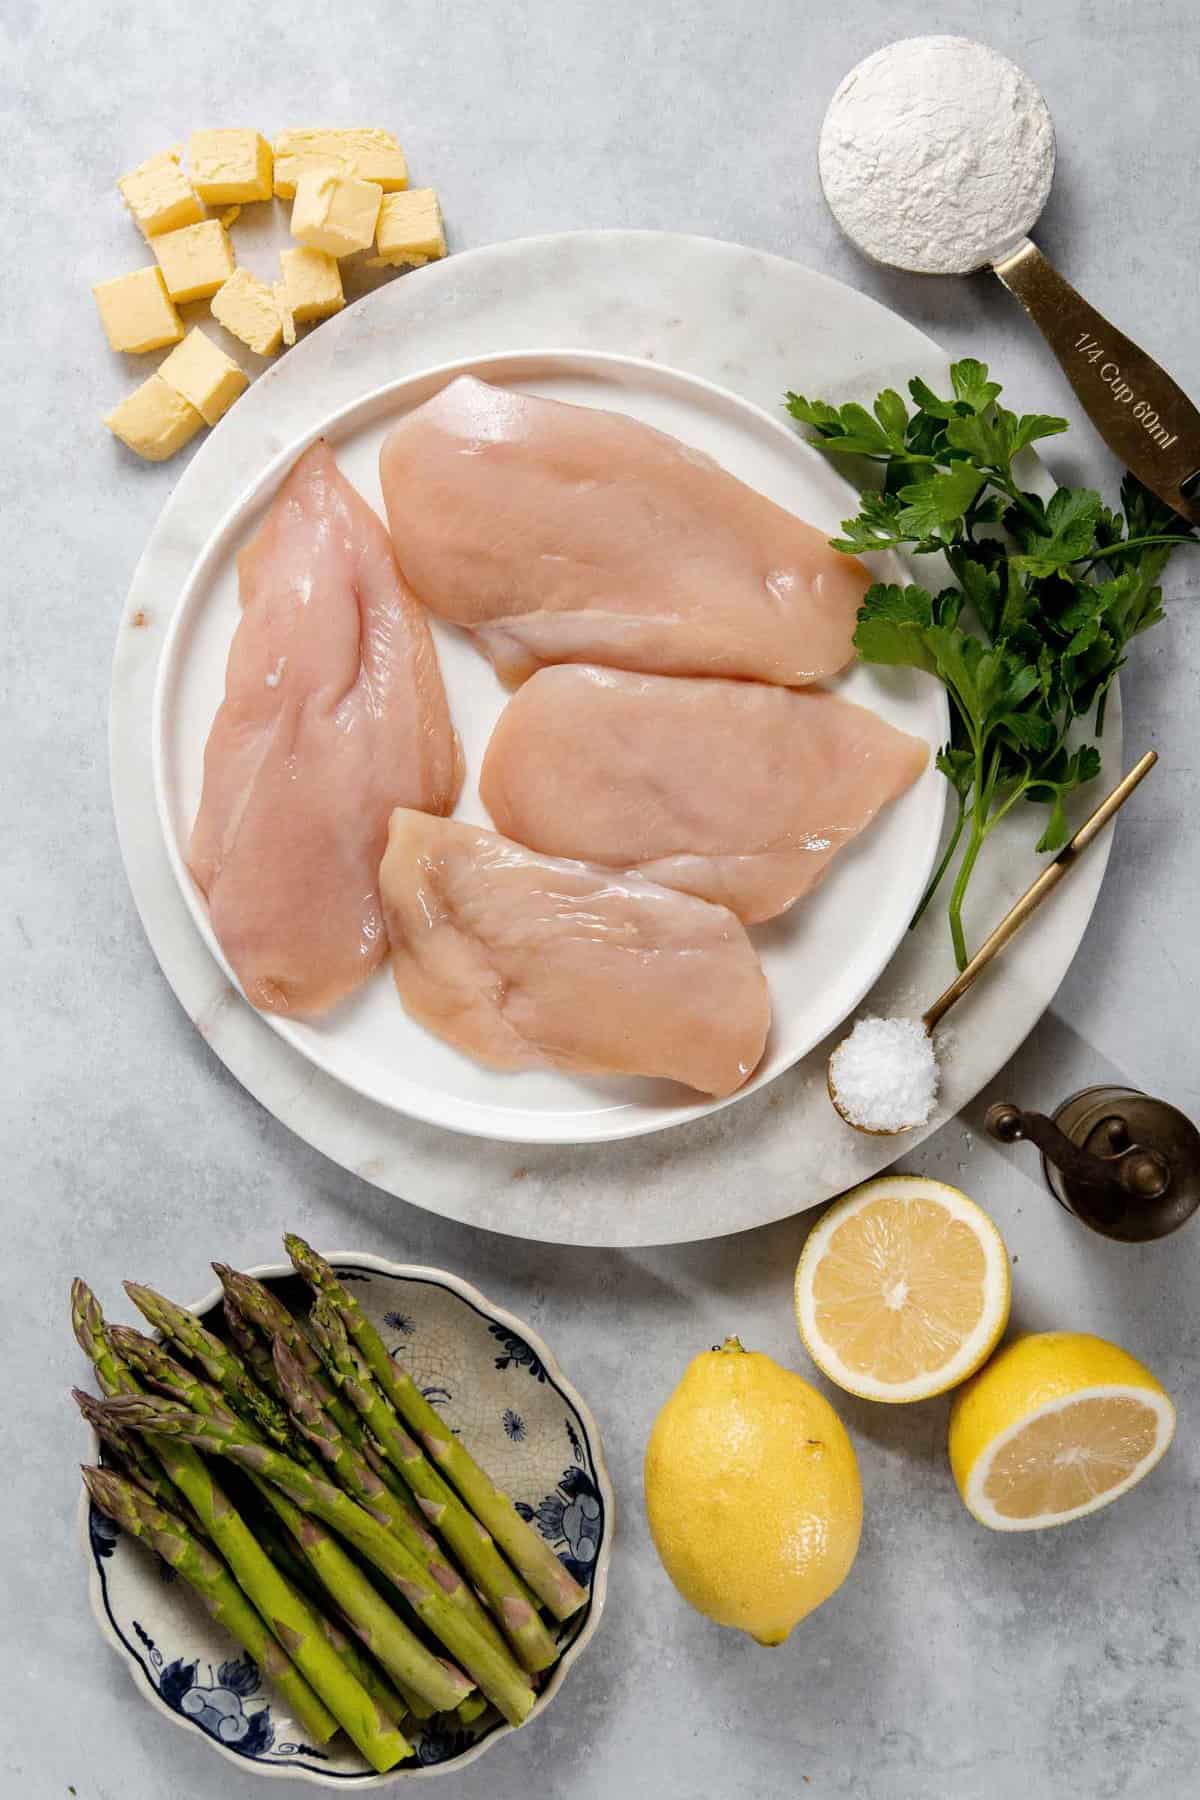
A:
{"points": [[467, 1291]]}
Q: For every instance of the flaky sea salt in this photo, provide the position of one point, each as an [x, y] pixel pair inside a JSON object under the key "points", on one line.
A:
{"points": [[885, 1074]]}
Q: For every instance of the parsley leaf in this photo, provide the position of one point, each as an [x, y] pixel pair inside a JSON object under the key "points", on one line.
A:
{"points": [[940, 502], [1047, 597], [1066, 534], [969, 379]]}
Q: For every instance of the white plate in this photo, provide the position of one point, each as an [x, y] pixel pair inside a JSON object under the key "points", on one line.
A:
{"points": [[820, 958]]}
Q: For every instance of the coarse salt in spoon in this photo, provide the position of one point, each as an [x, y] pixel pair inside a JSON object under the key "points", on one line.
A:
{"points": [[883, 1078], [936, 156]]}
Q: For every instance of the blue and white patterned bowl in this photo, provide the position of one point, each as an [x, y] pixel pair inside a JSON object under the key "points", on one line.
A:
{"points": [[493, 1380]]}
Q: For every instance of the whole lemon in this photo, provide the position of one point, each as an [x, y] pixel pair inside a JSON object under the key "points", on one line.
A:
{"points": [[752, 1493]]}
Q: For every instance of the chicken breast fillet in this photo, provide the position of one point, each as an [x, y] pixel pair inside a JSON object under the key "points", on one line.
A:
{"points": [[735, 791], [562, 533], [334, 714], [527, 961]]}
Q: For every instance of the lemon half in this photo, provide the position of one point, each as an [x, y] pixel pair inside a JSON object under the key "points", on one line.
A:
{"points": [[903, 1289], [1058, 1425]]}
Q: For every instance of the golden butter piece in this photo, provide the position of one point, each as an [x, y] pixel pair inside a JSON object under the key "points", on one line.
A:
{"points": [[286, 317], [410, 228], [155, 420], [312, 284], [195, 260], [137, 312], [201, 372], [246, 307], [335, 213], [229, 166], [365, 151], [159, 195]]}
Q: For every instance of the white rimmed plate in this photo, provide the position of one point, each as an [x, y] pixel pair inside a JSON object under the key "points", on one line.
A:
{"points": [[820, 959]]}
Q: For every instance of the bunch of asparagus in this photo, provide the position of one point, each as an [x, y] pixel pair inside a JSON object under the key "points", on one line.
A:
{"points": [[352, 1544]]}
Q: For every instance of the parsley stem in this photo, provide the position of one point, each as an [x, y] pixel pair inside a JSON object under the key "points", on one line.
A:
{"points": [[1021, 502], [1119, 548], [1007, 803], [936, 879], [958, 892]]}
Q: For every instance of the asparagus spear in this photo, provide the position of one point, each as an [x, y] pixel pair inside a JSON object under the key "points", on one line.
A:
{"points": [[365, 1612], [279, 1547], [505, 1686], [115, 1377], [402, 1654], [135, 1459], [288, 1616], [219, 1363], [175, 1459], [529, 1553], [258, 1305], [92, 1336], [364, 1485], [137, 1513], [260, 1312], [510, 1599], [469, 1711], [254, 1350]]}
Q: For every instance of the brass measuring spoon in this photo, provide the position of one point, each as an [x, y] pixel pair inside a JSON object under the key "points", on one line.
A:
{"points": [[936, 163], [1011, 923]]}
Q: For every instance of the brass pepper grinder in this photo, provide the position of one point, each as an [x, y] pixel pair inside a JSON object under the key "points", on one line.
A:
{"points": [[1126, 1165]]}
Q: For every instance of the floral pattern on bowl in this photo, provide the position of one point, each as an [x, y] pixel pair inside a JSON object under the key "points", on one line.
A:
{"points": [[495, 1382]]}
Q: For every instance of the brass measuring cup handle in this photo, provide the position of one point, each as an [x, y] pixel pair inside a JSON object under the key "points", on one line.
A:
{"points": [[1142, 415]]}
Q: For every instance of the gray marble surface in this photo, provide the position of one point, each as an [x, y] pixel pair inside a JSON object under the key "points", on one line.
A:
{"points": [[953, 1663]]}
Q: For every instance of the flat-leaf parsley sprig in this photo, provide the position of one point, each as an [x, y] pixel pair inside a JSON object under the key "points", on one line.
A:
{"points": [[1048, 595]]}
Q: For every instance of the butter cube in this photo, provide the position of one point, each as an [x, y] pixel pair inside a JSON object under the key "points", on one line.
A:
{"points": [[287, 317], [201, 372], [228, 166], [246, 306], [195, 260], [370, 154], [154, 420], [410, 227], [312, 284], [136, 311], [159, 196], [335, 213]]}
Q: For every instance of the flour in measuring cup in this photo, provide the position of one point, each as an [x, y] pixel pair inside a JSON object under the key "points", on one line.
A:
{"points": [[936, 155]]}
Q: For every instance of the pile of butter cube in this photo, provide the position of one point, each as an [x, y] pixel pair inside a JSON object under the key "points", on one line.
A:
{"points": [[349, 190]]}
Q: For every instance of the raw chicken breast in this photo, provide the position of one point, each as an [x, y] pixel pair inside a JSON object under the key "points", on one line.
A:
{"points": [[334, 713], [565, 534], [738, 792], [527, 961]]}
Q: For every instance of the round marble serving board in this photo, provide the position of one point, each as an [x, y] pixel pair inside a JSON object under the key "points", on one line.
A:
{"points": [[748, 321]]}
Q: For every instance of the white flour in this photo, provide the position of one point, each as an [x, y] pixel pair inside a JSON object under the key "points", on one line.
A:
{"points": [[937, 155]]}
